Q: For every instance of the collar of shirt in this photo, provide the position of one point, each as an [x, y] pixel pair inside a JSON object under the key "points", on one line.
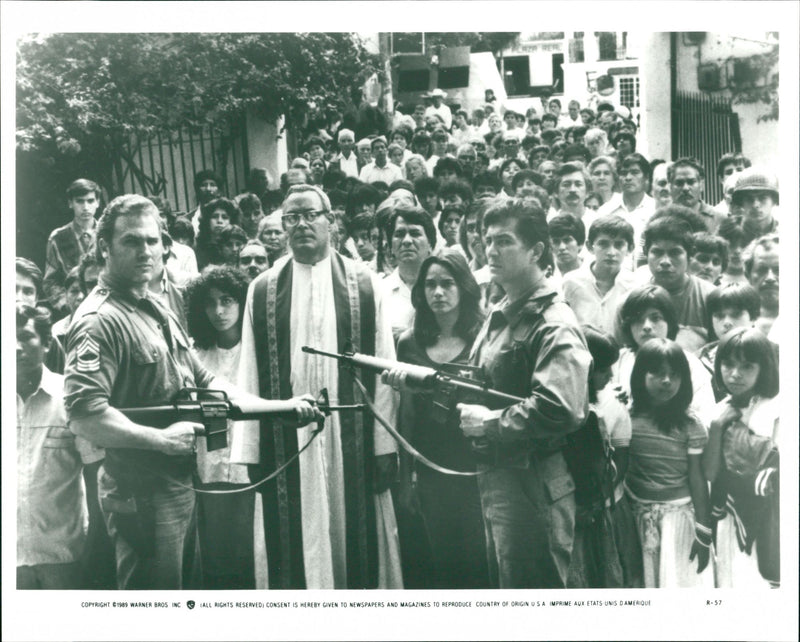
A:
{"points": [[706, 210], [395, 283], [51, 385], [313, 267], [79, 232], [87, 236], [126, 297], [511, 312]]}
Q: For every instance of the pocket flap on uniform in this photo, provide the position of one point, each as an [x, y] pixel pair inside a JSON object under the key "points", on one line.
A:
{"points": [[559, 487], [143, 356]]}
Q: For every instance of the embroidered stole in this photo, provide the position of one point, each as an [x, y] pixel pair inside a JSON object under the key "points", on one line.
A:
{"points": [[355, 331]]}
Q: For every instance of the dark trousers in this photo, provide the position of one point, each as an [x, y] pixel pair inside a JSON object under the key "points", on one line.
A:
{"points": [[529, 513], [225, 526], [154, 532], [451, 508], [98, 563]]}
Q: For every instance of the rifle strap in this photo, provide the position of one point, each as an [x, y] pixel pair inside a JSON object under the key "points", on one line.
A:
{"points": [[252, 486], [404, 444]]}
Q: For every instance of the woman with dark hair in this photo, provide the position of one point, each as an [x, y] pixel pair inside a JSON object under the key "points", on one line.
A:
{"points": [[449, 224], [507, 171], [446, 299], [665, 482], [316, 171], [648, 313], [215, 303], [215, 216]]}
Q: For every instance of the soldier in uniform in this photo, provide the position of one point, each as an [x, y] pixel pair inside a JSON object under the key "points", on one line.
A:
{"points": [[125, 348], [530, 346]]}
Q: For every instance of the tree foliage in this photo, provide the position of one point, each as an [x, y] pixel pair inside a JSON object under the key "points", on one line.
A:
{"points": [[765, 68], [73, 86], [85, 100]]}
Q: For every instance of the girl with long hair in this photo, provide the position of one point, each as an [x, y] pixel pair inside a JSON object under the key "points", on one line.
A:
{"points": [[742, 461], [649, 313], [665, 482], [215, 304]]}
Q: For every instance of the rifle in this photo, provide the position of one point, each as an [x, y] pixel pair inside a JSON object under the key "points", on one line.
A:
{"points": [[213, 408], [446, 384]]}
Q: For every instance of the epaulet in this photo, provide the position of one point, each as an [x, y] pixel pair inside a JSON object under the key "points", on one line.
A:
{"points": [[536, 306], [91, 304]]}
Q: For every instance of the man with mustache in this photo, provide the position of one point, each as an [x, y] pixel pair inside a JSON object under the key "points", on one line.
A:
{"points": [[571, 185], [762, 267], [687, 184]]}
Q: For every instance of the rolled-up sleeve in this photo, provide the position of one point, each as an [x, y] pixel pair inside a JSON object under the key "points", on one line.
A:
{"points": [[558, 403], [93, 360]]}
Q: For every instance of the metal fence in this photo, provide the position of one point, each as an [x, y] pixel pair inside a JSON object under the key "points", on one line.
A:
{"points": [[165, 165], [705, 127]]}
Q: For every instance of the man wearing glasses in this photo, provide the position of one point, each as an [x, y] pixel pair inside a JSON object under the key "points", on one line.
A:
{"points": [[328, 522]]}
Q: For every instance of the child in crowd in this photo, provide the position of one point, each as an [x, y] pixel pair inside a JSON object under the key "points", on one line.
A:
{"points": [[567, 236], [710, 258], [597, 289], [742, 462], [733, 233], [646, 314], [665, 482], [593, 201], [606, 553], [449, 223], [729, 307]]}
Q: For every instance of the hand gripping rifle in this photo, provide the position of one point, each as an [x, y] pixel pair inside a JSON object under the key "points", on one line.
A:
{"points": [[445, 384], [213, 408]]}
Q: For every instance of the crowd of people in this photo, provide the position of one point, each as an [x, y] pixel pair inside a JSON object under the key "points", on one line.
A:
{"points": [[631, 326]]}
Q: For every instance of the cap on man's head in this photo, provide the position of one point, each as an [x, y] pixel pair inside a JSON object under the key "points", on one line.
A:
{"points": [[346, 133], [364, 143], [437, 93]]}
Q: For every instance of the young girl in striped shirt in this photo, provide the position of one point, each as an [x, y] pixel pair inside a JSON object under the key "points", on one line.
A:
{"points": [[665, 482]]}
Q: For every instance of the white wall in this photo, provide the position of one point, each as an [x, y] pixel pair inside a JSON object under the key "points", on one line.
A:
{"points": [[267, 147], [655, 138], [760, 141]]}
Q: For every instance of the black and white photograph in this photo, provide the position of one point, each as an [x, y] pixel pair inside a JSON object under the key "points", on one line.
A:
{"points": [[327, 328]]}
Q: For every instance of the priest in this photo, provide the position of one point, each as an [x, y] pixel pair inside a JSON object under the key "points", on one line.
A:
{"points": [[328, 519]]}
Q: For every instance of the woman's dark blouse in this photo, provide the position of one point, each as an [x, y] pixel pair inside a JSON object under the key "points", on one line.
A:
{"points": [[440, 440]]}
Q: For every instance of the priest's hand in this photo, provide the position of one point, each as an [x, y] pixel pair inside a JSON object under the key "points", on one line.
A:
{"points": [[385, 472], [306, 410]]}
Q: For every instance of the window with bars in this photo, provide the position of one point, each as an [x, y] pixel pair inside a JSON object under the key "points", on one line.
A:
{"points": [[629, 91]]}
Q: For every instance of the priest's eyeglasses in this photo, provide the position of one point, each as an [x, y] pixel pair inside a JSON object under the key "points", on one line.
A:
{"points": [[290, 220]]}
